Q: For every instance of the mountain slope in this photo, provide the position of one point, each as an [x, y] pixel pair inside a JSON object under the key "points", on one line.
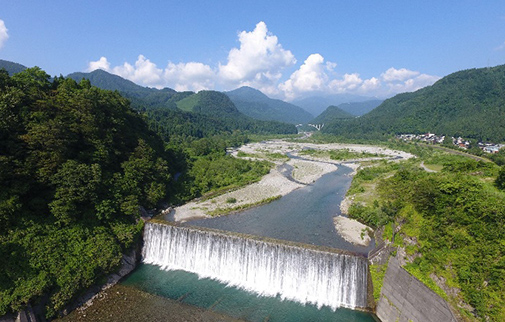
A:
{"points": [[257, 105], [11, 67], [332, 113], [199, 115], [469, 103], [360, 108], [210, 103], [317, 104], [141, 97]]}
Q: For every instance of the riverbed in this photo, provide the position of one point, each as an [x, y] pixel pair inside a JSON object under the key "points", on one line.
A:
{"points": [[312, 191]]}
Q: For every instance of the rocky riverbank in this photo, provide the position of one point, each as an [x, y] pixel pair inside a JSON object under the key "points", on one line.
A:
{"points": [[306, 170]]}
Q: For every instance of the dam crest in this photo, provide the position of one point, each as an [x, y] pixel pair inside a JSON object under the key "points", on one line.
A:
{"points": [[302, 273]]}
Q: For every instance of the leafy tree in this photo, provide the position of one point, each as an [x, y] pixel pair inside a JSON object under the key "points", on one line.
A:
{"points": [[500, 180]]}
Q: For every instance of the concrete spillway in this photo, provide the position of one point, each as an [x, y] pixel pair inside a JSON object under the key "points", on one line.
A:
{"points": [[301, 273]]}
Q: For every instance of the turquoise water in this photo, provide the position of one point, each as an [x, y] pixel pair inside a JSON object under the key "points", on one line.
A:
{"points": [[213, 295], [305, 215]]}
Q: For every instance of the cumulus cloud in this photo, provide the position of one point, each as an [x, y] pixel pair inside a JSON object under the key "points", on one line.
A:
{"points": [[310, 77], [401, 74], [259, 59], [260, 62], [3, 33], [144, 72], [370, 85], [411, 84], [102, 63], [349, 83], [190, 76]]}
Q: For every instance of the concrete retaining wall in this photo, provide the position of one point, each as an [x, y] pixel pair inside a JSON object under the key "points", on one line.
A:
{"points": [[404, 298]]}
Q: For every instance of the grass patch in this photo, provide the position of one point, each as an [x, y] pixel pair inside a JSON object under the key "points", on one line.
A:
{"points": [[227, 211], [277, 156], [377, 273], [434, 167]]}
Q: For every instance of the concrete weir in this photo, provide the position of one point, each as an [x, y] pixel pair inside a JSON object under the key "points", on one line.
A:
{"points": [[294, 271], [404, 298]]}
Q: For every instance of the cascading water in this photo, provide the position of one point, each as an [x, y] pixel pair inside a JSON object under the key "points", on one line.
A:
{"points": [[304, 275]]}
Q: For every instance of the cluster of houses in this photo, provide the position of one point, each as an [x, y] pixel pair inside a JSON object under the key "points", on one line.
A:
{"points": [[459, 142]]}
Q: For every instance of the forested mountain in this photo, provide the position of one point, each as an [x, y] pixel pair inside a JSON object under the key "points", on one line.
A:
{"points": [[209, 103], [469, 103], [317, 104], [360, 108], [11, 67], [185, 114], [331, 114], [76, 163], [257, 105], [141, 97]]}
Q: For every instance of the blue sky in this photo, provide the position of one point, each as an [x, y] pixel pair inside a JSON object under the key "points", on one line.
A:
{"points": [[287, 49]]}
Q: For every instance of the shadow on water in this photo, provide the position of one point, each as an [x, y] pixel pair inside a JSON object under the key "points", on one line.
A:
{"points": [[212, 295], [305, 215]]}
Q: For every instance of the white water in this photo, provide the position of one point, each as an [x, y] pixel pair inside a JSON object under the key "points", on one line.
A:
{"points": [[295, 273]]}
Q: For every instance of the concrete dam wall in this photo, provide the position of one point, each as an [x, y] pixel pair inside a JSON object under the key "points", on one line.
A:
{"points": [[293, 271]]}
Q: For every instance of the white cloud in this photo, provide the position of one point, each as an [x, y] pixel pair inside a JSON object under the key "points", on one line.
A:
{"points": [[259, 59], [370, 85], [190, 76], [3, 33], [144, 72], [349, 83], [102, 63], [401, 74], [411, 84], [310, 77], [259, 62]]}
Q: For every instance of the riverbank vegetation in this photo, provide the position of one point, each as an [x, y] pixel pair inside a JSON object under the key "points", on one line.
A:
{"points": [[77, 164], [340, 155], [449, 225]]}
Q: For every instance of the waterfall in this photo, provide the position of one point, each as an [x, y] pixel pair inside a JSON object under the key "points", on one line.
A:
{"points": [[301, 274]]}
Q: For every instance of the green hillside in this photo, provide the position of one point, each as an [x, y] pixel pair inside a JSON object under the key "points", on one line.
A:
{"points": [[76, 163], [257, 105], [332, 113], [317, 104], [469, 103], [360, 108], [141, 97], [210, 103], [11, 67], [185, 114]]}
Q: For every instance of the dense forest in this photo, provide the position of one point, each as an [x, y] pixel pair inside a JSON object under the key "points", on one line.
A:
{"points": [[331, 114], [469, 103], [257, 105], [140, 97], [451, 225], [77, 163]]}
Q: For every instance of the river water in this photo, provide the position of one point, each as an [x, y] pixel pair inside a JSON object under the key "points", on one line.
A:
{"points": [[305, 215]]}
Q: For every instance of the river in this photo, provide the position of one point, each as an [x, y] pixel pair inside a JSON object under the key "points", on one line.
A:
{"points": [[305, 215]]}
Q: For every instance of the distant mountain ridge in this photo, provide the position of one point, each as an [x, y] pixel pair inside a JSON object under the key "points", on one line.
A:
{"points": [[210, 103], [468, 103], [331, 114], [140, 96], [360, 108], [11, 67], [317, 104], [257, 105]]}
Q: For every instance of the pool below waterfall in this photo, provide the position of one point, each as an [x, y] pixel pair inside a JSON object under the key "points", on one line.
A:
{"points": [[305, 215]]}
